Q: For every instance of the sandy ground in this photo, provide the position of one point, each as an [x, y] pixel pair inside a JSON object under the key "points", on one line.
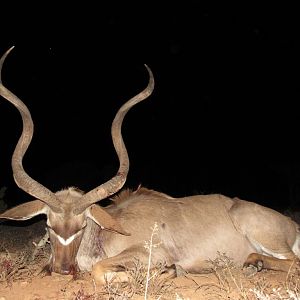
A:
{"points": [[19, 279]]}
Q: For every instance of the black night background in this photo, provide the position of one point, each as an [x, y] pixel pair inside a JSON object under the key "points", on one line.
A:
{"points": [[224, 116]]}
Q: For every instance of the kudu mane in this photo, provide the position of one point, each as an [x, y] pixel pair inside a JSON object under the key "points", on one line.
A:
{"points": [[127, 194]]}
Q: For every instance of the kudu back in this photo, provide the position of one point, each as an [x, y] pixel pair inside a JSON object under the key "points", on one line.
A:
{"points": [[189, 231]]}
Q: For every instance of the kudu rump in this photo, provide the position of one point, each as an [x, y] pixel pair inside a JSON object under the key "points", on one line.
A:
{"points": [[190, 230]]}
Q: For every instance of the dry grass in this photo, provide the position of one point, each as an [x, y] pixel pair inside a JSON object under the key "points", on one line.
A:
{"points": [[229, 276], [158, 287], [82, 295], [152, 282], [289, 289], [233, 283], [21, 265]]}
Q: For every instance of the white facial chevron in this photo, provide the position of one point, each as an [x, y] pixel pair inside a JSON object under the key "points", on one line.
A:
{"points": [[69, 240]]}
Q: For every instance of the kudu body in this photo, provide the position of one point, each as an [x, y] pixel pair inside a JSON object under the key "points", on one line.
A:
{"points": [[189, 230]]}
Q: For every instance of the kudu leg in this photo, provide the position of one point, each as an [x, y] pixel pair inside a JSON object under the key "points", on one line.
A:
{"points": [[109, 269], [114, 268], [260, 261]]}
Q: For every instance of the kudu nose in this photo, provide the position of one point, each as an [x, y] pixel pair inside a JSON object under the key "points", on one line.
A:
{"points": [[67, 269], [64, 269]]}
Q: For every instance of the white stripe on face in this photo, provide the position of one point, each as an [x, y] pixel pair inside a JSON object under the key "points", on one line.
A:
{"points": [[69, 240]]}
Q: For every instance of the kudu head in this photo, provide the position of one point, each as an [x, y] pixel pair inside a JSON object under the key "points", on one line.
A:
{"points": [[67, 210]]}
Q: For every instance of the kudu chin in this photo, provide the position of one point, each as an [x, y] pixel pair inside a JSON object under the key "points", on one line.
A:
{"points": [[190, 230]]}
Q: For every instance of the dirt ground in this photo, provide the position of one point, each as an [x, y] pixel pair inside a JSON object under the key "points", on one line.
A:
{"points": [[21, 262]]}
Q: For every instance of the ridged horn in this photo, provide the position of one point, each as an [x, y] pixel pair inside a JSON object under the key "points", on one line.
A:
{"points": [[116, 183], [22, 179]]}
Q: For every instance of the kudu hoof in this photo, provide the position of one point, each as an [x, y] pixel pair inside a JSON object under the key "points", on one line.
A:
{"points": [[102, 276], [253, 264]]}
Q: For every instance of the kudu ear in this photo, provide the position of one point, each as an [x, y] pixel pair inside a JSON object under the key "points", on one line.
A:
{"points": [[105, 220], [25, 211]]}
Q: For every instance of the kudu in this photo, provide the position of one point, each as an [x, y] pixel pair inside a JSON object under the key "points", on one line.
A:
{"points": [[190, 230]]}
